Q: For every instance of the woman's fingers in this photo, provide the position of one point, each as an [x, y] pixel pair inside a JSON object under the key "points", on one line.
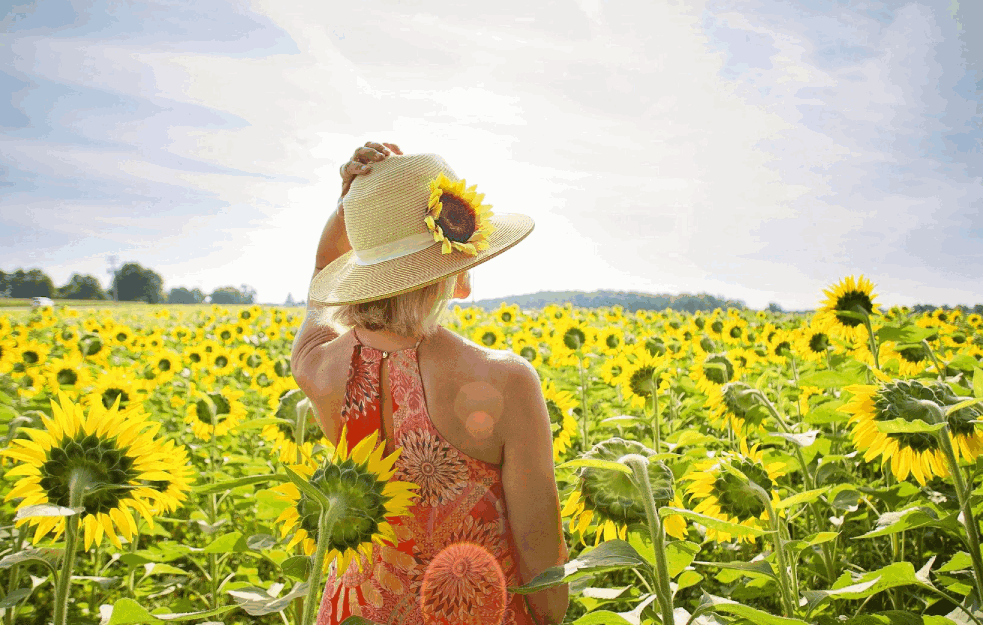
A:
{"points": [[394, 148]]}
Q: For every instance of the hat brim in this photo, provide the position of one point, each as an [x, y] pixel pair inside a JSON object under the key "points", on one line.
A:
{"points": [[346, 282]]}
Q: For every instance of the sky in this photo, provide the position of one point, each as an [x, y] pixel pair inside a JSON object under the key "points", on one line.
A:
{"points": [[759, 150]]}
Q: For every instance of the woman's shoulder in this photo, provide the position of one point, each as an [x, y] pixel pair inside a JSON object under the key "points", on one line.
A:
{"points": [[469, 353]]}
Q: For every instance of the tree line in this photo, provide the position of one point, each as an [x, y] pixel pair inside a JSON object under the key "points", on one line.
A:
{"points": [[131, 283]]}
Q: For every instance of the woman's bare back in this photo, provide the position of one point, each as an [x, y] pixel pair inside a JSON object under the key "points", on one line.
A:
{"points": [[464, 387]]}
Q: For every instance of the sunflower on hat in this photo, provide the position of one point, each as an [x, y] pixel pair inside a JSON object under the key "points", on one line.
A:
{"points": [[456, 216]]}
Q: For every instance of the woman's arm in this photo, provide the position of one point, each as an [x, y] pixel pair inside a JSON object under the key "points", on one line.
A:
{"points": [[531, 495]]}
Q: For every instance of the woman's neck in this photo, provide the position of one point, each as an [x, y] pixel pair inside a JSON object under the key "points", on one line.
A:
{"points": [[384, 339]]}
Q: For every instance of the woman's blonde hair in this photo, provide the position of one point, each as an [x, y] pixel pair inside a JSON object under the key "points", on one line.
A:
{"points": [[409, 314]]}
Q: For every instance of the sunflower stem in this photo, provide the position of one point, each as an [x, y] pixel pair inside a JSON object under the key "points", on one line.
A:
{"points": [[938, 367], [783, 568], [657, 532], [300, 430], [656, 422], [584, 418], [325, 523], [78, 481], [962, 493], [872, 338]]}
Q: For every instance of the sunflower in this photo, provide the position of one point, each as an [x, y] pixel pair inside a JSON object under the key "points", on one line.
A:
{"points": [[734, 331], [713, 371], [908, 361], [849, 295], [7, 354], [559, 406], [812, 342], [612, 496], [360, 482], [918, 454], [222, 406], [163, 364], [731, 407], [527, 346], [490, 336], [67, 336], [68, 370], [112, 454], [456, 216], [31, 354], [611, 340], [113, 382], [721, 494], [639, 380], [506, 314], [571, 340], [613, 367]]}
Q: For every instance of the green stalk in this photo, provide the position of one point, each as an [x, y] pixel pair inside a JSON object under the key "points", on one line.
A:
{"points": [[656, 423], [870, 336], [962, 494], [657, 532], [325, 523], [78, 481], [300, 431], [938, 367], [585, 420], [778, 529], [18, 538]]}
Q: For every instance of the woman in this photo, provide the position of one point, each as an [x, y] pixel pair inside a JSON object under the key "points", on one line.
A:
{"points": [[471, 422]]}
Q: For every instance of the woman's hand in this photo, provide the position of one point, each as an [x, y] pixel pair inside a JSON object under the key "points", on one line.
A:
{"points": [[359, 163]]}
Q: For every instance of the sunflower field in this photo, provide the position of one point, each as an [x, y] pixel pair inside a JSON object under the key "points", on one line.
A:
{"points": [[726, 467]]}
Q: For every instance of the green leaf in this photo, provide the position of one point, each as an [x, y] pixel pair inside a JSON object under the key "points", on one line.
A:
{"points": [[907, 334], [46, 510], [298, 567], [257, 601], [227, 543], [963, 404], [977, 382], [620, 420], [48, 557], [159, 568], [755, 567], [959, 562], [828, 379], [735, 529], [605, 617], [805, 439], [797, 499], [228, 485], [359, 620], [890, 617], [15, 596], [719, 605], [129, 612], [903, 426], [910, 518], [891, 576], [611, 555], [679, 555], [595, 463], [258, 423]]}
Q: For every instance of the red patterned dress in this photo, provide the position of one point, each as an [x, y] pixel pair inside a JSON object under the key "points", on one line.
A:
{"points": [[461, 499]]}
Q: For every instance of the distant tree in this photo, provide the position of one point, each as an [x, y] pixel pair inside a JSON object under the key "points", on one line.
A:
{"points": [[227, 295], [135, 283], [248, 294], [290, 300], [83, 287], [775, 308], [4, 283], [181, 295], [33, 283]]}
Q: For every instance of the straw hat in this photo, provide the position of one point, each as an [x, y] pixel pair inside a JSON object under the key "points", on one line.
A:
{"points": [[412, 222]]}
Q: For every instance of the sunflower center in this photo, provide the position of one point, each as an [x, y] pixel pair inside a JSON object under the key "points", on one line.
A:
{"points": [[784, 348], [914, 354], [457, 219], [67, 376], [31, 357], [717, 326], [556, 415], [528, 353], [718, 369], [574, 338], [110, 468], [818, 342], [164, 364], [489, 338], [848, 302], [506, 317], [612, 341], [654, 346], [110, 394]]}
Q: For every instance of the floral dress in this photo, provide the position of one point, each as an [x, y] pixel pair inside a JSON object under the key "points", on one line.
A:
{"points": [[461, 500]]}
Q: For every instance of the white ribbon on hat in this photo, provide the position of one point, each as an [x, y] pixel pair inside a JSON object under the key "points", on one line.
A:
{"points": [[394, 249]]}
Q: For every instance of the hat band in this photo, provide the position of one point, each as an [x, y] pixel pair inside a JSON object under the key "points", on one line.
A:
{"points": [[394, 249]]}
